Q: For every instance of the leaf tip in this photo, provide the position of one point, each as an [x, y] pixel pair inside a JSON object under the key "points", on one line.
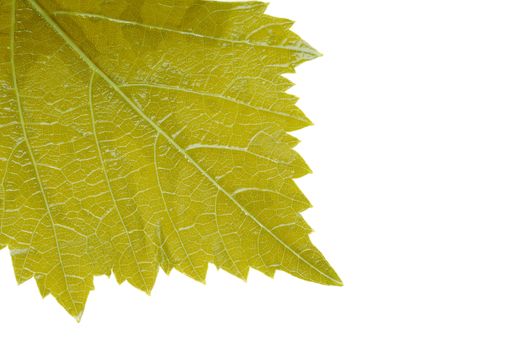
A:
{"points": [[338, 282], [78, 317], [333, 279]]}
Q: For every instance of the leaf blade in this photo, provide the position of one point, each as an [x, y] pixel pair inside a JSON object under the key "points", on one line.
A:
{"points": [[178, 180]]}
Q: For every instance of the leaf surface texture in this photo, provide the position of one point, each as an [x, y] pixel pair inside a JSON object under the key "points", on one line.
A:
{"points": [[145, 134]]}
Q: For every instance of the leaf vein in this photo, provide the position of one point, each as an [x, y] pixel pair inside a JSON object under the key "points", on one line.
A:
{"points": [[213, 95], [30, 152], [183, 32], [109, 184]]}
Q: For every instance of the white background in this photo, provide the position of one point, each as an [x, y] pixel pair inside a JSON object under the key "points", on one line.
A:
{"points": [[419, 152]]}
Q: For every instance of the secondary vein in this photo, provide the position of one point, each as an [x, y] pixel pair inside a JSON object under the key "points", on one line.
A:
{"points": [[105, 171], [183, 32], [30, 150]]}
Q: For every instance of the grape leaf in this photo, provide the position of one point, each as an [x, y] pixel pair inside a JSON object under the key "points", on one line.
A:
{"points": [[144, 134]]}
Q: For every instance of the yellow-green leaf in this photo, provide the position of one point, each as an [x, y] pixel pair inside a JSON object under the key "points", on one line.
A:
{"points": [[144, 134]]}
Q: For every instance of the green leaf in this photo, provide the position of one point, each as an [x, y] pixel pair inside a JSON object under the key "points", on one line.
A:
{"points": [[139, 134]]}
